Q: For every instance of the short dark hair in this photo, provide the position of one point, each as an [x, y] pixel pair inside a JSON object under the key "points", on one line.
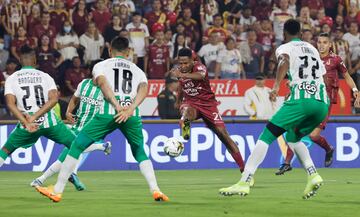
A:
{"points": [[26, 50], [292, 27], [136, 14], [120, 43], [185, 52], [217, 15], [324, 34]]}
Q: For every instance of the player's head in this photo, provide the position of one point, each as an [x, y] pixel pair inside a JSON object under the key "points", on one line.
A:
{"points": [[291, 29], [324, 43], [185, 59], [27, 56], [119, 46]]}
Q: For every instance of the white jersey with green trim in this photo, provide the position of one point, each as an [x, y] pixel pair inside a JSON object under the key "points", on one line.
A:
{"points": [[91, 98], [123, 78], [31, 87], [306, 71]]}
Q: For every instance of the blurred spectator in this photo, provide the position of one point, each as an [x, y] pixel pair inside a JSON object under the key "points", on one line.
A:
{"points": [[194, 6], [34, 18], [167, 40], [261, 8], [124, 13], [156, 15], [79, 17], [257, 100], [305, 19], [352, 16], [48, 59], [353, 38], [20, 40], [293, 6], [207, 11], [47, 4], [314, 6], [93, 42], [132, 57], [339, 22], [209, 52], [4, 55], [58, 15], [230, 11], [228, 62], [256, 65], [44, 28], [67, 42], [217, 27], [180, 42], [167, 100], [180, 29], [344, 6], [279, 17], [75, 75], [191, 26], [101, 16], [157, 61], [139, 37], [11, 66], [130, 4], [271, 69], [2, 97], [13, 15], [266, 38], [331, 8], [247, 20], [326, 28], [111, 32], [341, 47], [239, 35], [308, 36]]}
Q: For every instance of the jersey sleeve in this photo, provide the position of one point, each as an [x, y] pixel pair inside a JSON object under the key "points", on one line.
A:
{"points": [[98, 70], [201, 69], [9, 86], [78, 89], [341, 66], [282, 50]]}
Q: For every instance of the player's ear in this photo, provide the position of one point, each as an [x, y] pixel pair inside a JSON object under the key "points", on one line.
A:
{"points": [[110, 51]]}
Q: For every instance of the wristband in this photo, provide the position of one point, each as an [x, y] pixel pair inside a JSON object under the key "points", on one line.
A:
{"points": [[355, 89]]}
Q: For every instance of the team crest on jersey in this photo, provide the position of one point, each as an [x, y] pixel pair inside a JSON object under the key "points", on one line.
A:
{"points": [[309, 88]]}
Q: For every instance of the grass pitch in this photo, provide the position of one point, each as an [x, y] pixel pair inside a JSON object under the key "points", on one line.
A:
{"points": [[192, 193]]}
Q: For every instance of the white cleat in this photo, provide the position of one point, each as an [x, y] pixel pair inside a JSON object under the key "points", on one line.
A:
{"points": [[107, 147], [36, 183]]}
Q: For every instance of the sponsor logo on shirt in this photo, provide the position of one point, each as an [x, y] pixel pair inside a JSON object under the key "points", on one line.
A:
{"points": [[309, 88]]}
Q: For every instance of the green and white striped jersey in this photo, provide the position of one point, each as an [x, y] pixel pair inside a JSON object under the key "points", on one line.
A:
{"points": [[306, 71], [91, 98], [31, 87], [123, 78]]}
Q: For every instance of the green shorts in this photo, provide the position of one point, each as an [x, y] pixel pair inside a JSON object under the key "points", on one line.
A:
{"points": [[21, 138], [300, 117]]}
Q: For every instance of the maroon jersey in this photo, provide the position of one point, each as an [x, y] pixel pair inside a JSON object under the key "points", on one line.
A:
{"points": [[151, 18], [266, 40], [101, 19], [334, 65], [40, 30], [19, 43], [198, 92], [158, 57], [80, 23], [58, 17]]}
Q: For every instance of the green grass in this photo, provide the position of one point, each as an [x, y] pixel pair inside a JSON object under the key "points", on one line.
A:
{"points": [[192, 193]]}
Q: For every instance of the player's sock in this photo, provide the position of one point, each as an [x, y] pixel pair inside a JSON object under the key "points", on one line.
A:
{"points": [[54, 168], [147, 171], [1, 161], [3, 157], [82, 160], [289, 156], [303, 154], [67, 168], [321, 141], [238, 159], [94, 147], [255, 159]]}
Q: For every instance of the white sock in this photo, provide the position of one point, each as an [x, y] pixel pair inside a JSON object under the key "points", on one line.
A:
{"points": [[303, 154], [67, 168], [54, 168], [94, 147], [78, 164], [147, 171], [1, 161], [255, 159]]}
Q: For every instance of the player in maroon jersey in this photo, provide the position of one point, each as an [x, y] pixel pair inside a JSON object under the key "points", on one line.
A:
{"points": [[196, 100], [334, 65]]}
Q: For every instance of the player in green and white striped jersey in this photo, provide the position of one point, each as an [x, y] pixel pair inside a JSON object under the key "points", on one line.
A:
{"points": [[90, 98], [305, 109]]}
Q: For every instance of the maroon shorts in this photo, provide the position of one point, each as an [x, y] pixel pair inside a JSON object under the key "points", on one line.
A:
{"points": [[210, 114], [323, 124]]}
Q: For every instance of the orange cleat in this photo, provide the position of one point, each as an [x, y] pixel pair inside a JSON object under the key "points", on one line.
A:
{"points": [[49, 192], [159, 196]]}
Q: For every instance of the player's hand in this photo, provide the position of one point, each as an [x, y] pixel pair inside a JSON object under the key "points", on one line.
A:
{"points": [[357, 99], [31, 127], [273, 94], [124, 114], [29, 118], [175, 72], [70, 118]]}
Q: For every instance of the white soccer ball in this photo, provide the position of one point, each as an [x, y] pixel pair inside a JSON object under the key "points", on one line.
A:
{"points": [[173, 147]]}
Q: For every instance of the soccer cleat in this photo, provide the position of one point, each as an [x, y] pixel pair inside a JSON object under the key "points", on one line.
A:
{"points": [[74, 179], [36, 183], [107, 146], [312, 186], [283, 169], [329, 157], [185, 129], [159, 196], [240, 188], [252, 182], [49, 192]]}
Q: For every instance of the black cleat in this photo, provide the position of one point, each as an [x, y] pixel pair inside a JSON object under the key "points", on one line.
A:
{"points": [[329, 157], [283, 169]]}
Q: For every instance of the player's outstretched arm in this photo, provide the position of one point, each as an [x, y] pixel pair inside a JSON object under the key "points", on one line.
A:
{"points": [[350, 82], [74, 101], [53, 99], [107, 92], [282, 69]]}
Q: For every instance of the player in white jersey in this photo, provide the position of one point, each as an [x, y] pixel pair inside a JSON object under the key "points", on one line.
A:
{"points": [[303, 111], [124, 86]]}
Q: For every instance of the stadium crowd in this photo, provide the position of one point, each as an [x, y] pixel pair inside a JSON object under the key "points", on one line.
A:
{"points": [[235, 39]]}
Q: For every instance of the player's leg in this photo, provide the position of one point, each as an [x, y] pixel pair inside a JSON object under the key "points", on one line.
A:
{"points": [[323, 143], [132, 130], [188, 114], [286, 166]]}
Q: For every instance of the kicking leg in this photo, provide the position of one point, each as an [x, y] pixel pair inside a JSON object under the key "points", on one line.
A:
{"points": [[321, 141], [4, 153], [188, 114]]}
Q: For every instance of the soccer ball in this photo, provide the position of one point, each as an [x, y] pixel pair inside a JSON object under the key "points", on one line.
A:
{"points": [[173, 147]]}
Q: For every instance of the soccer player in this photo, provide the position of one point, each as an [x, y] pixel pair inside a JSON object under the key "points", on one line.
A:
{"points": [[304, 110], [124, 86], [196, 100], [334, 65], [90, 98]]}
